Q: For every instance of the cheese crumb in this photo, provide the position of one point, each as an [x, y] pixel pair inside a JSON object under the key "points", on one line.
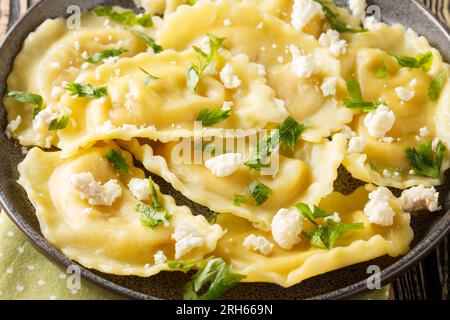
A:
{"points": [[187, 239], [12, 126], [224, 164], [227, 22], [140, 188], [379, 122], [378, 209], [420, 198], [258, 243], [43, 119], [287, 226], [424, 131], [332, 40], [329, 86], [228, 78], [160, 257], [302, 66], [227, 105], [335, 217], [358, 8], [280, 59], [404, 94], [56, 65], [93, 191], [356, 144], [86, 211], [303, 11], [260, 26]]}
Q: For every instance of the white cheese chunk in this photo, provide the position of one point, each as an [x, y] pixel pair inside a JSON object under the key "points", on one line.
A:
{"points": [[43, 120], [424, 131], [96, 193], [303, 66], [159, 257], [356, 144], [329, 86], [227, 105], [224, 164], [378, 209], [380, 121], [358, 8], [227, 22], [287, 226], [258, 244], [303, 11], [335, 217], [228, 78], [140, 188], [404, 94], [332, 40], [12, 126], [420, 198], [187, 239]]}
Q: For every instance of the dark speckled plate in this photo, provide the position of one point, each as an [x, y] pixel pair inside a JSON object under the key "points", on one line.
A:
{"points": [[344, 283]]}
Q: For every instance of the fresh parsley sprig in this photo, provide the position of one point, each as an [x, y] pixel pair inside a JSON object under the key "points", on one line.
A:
{"points": [[383, 71], [102, 55], [184, 265], [426, 161], [290, 131], [324, 236], [126, 17], [149, 79], [59, 124], [259, 191], [211, 281], [436, 85], [335, 22], [28, 98], [356, 100], [239, 200], [421, 61], [196, 71], [86, 90], [117, 160], [210, 117], [148, 40], [153, 216]]}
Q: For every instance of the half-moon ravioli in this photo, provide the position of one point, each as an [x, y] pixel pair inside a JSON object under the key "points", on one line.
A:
{"points": [[308, 176], [276, 45], [106, 238], [289, 267], [405, 91]]}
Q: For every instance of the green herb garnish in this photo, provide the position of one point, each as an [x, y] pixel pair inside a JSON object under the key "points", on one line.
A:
{"points": [[117, 160], [436, 85], [155, 216], [28, 98], [356, 100], [148, 40], [127, 17], [259, 191], [239, 200], [210, 117], [100, 56], [290, 132], [383, 71], [58, 124], [324, 236], [86, 91], [424, 61], [335, 22], [184, 265], [149, 79], [426, 161]]}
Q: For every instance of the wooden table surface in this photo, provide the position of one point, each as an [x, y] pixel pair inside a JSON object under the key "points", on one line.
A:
{"points": [[429, 280]]}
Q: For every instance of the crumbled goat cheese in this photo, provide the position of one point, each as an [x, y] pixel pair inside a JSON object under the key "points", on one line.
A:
{"points": [[378, 209], [328, 86], [260, 26], [93, 191], [48, 142], [287, 226], [280, 59], [302, 66], [159, 257], [56, 92], [86, 211], [224, 164], [56, 65], [258, 243], [140, 188], [332, 40], [335, 217], [228, 78], [187, 239], [413, 82], [348, 132], [43, 120], [303, 11], [85, 55], [424, 131], [420, 198], [110, 60], [358, 8], [380, 121], [12, 126], [404, 94], [356, 144], [77, 45], [227, 22], [227, 105]]}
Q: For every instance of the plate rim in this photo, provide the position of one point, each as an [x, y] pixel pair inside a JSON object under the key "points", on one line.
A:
{"points": [[56, 257]]}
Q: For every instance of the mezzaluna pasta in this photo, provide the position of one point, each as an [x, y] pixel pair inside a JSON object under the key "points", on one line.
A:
{"points": [[274, 95]]}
